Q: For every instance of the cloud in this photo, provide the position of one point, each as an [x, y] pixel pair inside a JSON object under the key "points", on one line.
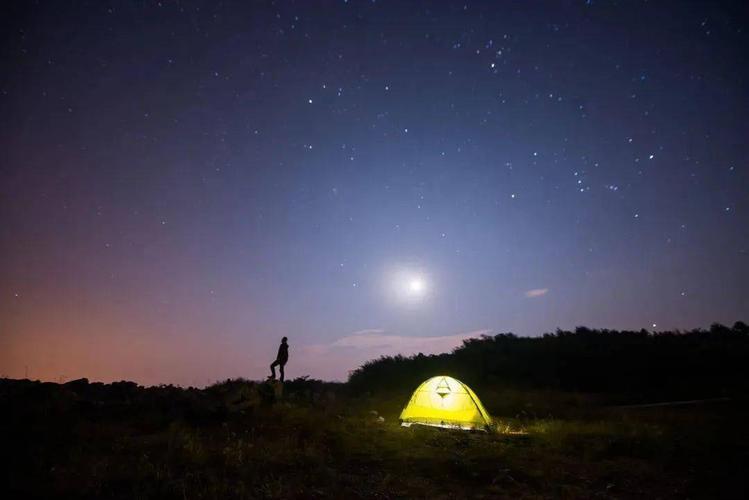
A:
{"points": [[370, 331], [536, 292], [335, 359], [377, 339]]}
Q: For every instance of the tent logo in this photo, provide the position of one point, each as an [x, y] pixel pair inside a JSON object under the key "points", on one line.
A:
{"points": [[443, 388]]}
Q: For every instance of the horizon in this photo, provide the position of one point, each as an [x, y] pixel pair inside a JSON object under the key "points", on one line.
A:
{"points": [[358, 348], [185, 184]]}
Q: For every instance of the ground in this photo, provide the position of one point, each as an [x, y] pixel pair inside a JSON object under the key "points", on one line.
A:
{"points": [[240, 440]]}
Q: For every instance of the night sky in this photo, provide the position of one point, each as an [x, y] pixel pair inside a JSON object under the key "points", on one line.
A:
{"points": [[183, 183]]}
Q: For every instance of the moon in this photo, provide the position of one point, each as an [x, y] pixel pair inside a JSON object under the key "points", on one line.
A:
{"points": [[416, 286], [411, 287], [408, 285]]}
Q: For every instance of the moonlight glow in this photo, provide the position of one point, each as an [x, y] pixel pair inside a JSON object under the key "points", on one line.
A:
{"points": [[409, 286], [416, 286]]}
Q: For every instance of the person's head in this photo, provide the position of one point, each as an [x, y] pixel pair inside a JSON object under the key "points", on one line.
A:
{"points": [[283, 340]]}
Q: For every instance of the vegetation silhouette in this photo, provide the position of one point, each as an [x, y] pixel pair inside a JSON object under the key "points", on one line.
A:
{"points": [[632, 365]]}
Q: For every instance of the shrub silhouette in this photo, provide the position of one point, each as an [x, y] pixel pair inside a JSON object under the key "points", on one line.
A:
{"points": [[641, 364]]}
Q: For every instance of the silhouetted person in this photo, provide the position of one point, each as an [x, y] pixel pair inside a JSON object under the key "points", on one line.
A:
{"points": [[281, 358]]}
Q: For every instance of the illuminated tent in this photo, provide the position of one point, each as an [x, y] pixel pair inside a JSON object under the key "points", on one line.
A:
{"points": [[443, 401]]}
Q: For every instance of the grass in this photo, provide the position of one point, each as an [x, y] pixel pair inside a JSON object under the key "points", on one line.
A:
{"points": [[234, 440]]}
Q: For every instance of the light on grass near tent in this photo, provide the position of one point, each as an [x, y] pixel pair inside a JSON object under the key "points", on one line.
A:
{"points": [[443, 401]]}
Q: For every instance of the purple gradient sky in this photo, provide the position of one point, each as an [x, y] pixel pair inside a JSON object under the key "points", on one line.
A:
{"points": [[182, 184]]}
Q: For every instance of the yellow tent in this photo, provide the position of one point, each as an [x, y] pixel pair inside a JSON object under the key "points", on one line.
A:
{"points": [[443, 401]]}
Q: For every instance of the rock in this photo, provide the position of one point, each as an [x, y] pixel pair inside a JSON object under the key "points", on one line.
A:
{"points": [[278, 389], [78, 386], [76, 383], [270, 392]]}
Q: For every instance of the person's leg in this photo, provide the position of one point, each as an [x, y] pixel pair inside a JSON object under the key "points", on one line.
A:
{"points": [[280, 368], [273, 369]]}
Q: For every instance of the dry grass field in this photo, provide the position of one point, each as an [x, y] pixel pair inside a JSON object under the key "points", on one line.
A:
{"points": [[238, 440]]}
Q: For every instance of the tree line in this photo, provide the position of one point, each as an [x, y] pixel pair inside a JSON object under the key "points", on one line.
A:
{"points": [[698, 363]]}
